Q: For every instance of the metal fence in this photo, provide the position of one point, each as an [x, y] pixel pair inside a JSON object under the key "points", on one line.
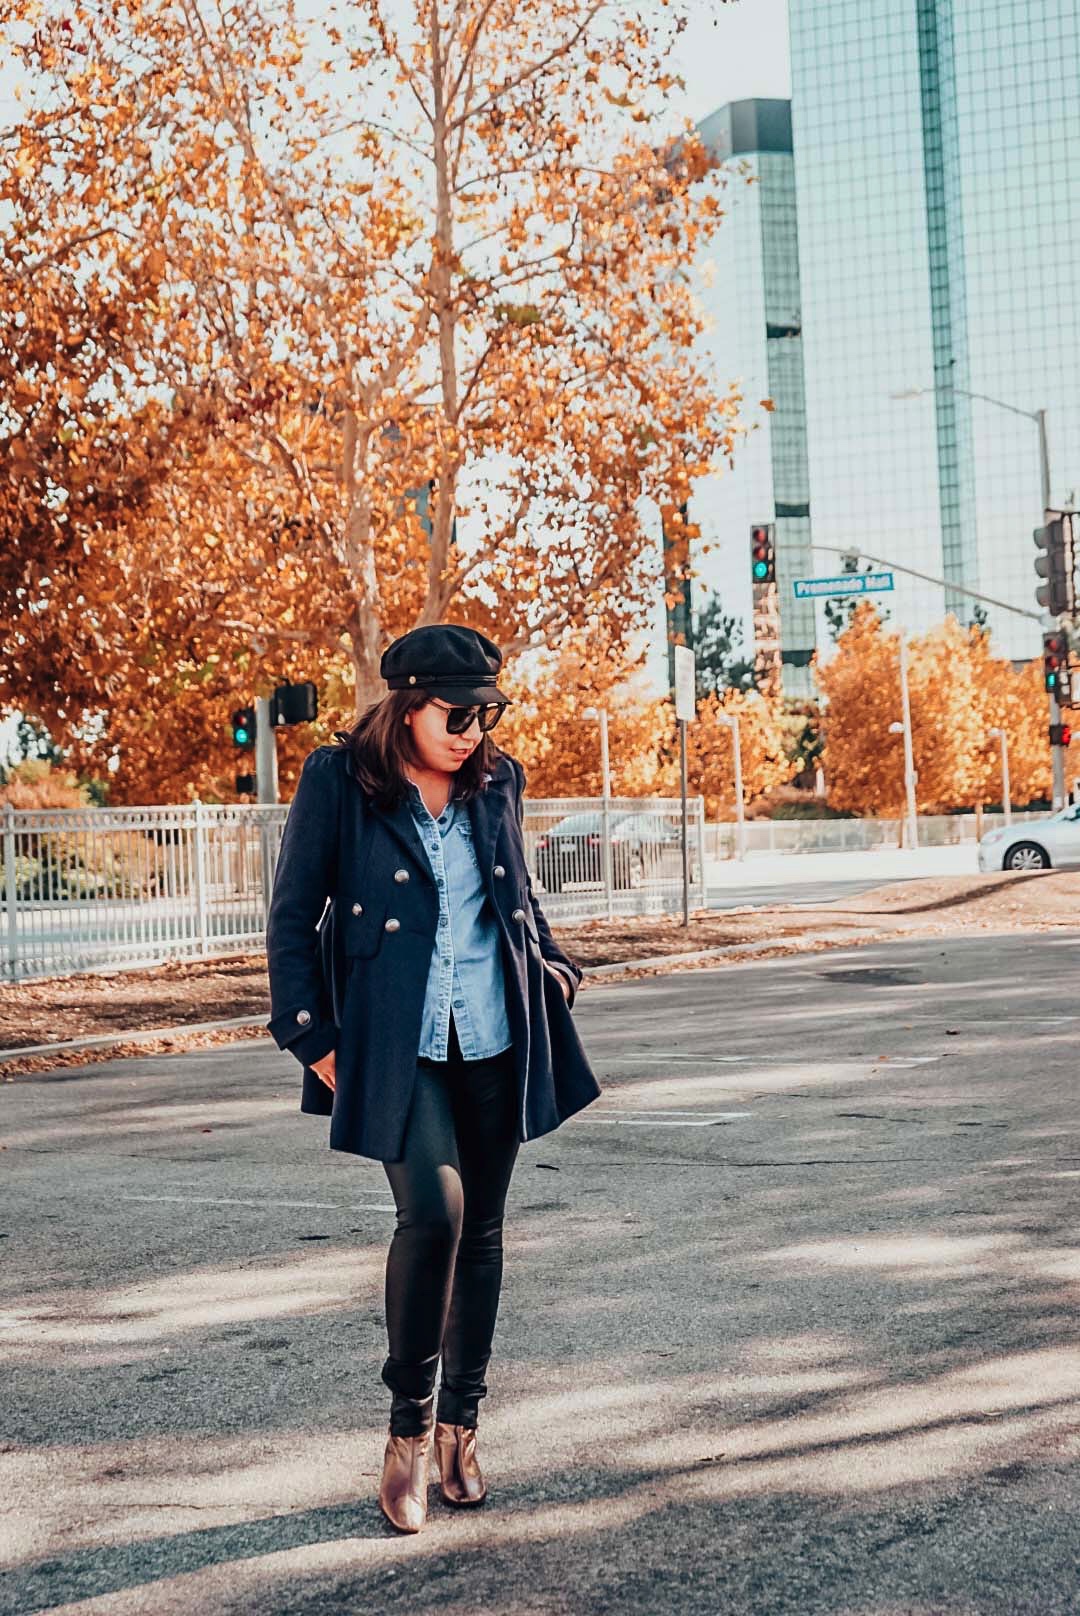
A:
{"points": [[847, 835], [87, 889]]}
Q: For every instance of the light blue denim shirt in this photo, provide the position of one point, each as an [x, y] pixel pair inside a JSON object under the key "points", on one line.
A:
{"points": [[466, 963]]}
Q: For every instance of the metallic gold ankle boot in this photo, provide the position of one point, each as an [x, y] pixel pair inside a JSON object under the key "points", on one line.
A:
{"points": [[404, 1486], [460, 1479]]}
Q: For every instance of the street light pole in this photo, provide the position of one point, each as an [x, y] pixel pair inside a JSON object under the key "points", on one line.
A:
{"points": [[601, 714], [1006, 791], [1057, 753], [732, 722], [910, 776]]}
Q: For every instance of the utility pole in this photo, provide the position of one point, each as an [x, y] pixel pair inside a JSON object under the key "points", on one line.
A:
{"points": [[685, 713], [266, 775], [1006, 789], [731, 720], [1056, 563], [601, 714]]}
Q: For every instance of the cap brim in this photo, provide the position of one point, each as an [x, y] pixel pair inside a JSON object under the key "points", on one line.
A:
{"points": [[468, 695]]}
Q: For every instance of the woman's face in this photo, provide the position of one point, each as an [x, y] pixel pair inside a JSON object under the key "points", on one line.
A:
{"points": [[434, 748]]}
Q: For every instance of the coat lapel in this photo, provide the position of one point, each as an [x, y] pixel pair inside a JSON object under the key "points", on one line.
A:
{"points": [[400, 823], [487, 812]]}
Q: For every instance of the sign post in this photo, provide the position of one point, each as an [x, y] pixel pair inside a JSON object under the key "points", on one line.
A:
{"points": [[685, 712]]}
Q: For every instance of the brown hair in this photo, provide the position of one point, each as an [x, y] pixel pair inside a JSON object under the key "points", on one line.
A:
{"points": [[381, 744]]}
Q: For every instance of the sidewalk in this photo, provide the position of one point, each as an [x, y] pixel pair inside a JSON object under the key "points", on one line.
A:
{"points": [[887, 864]]}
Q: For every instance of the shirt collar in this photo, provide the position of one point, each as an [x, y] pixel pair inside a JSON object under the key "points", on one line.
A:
{"points": [[418, 797]]}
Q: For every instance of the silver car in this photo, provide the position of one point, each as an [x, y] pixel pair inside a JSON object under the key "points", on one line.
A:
{"points": [[1041, 844]]}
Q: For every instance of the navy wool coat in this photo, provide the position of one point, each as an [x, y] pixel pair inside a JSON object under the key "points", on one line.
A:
{"points": [[349, 941]]}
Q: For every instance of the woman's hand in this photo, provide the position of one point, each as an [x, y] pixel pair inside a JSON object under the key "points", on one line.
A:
{"points": [[560, 977], [325, 1069]]}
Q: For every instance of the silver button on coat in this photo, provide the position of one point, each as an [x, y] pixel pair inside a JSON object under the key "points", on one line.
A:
{"points": [[499, 871], [393, 925], [303, 1017], [357, 908], [401, 875], [518, 915]]}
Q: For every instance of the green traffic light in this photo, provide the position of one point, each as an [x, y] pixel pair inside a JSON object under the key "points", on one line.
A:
{"points": [[241, 736], [761, 570]]}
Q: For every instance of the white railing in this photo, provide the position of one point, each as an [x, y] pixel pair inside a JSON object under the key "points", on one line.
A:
{"points": [[847, 835], [87, 889]]}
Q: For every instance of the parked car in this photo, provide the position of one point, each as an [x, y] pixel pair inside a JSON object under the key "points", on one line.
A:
{"points": [[1041, 844], [644, 848]]}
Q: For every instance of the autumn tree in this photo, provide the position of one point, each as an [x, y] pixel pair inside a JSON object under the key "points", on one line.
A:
{"points": [[958, 692], [1013, 700], [547, 728], [417, 275]]}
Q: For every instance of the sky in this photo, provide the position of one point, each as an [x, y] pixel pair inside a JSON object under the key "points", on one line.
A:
{"points": [[731, 50]]}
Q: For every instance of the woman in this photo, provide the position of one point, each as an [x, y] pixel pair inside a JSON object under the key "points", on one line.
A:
{"points": [[430, 1007]]}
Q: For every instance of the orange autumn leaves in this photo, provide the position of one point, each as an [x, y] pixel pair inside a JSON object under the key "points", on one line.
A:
{"points": [[959, 692], [547, 729], [321, 325]]}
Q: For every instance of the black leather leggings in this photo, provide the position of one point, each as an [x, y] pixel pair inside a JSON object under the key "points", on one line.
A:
{"points": [[444, 1267]]}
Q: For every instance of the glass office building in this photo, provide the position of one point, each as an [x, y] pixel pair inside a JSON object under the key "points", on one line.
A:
{"points": [[748, 286], [937, 170]]}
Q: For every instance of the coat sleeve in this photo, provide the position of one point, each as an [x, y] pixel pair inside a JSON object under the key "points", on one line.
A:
{"points": [[306, 876], [553, 955]]}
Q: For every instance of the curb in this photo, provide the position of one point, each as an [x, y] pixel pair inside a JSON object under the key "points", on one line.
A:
{"points": [[103, 1039], [805, 944]]}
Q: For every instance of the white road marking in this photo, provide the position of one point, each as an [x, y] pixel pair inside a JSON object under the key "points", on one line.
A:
{"points": [[751, 1061], [667, 1119], [234, 1200]]}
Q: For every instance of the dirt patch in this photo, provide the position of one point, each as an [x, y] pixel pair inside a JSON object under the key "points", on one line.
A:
{"points": [[187, 992]]}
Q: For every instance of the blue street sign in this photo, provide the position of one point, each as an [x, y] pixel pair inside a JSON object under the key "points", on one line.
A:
{"points": [[848, 583]]}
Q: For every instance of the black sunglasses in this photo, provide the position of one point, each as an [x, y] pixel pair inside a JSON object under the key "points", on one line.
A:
{"points": [[459, 719]]}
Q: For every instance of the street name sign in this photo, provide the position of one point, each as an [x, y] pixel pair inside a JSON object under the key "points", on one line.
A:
{"points": [[848, 583]]}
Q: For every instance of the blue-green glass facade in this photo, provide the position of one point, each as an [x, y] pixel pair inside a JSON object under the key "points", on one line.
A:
{"points": [[937, 165], [748, 287]]}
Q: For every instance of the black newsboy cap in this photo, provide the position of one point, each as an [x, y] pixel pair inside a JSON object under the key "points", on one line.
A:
{"points": [[446, 660]]}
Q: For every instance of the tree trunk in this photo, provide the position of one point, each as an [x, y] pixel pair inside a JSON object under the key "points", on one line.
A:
{"points": [[370, 686]]}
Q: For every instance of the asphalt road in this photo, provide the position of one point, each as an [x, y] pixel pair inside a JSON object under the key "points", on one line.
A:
{"points": [[789, 1323]]}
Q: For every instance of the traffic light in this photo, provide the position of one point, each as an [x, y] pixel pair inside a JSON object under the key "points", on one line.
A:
{"points": [[763, 553], [1056, 563], [1060, 734], [1056, 665], [294, 704], [243, 727]]}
